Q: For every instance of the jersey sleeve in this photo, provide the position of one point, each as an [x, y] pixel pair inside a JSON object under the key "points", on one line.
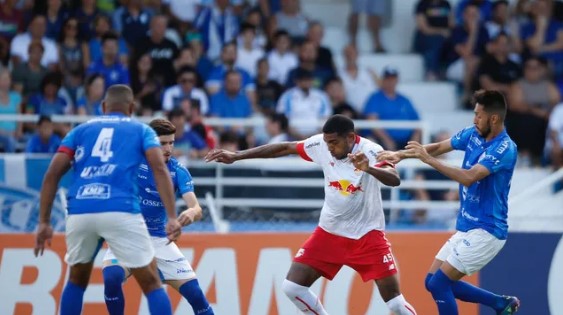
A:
{"points": [[68, 145], [150, 139], [184, 178], [309, 149], [371, 150], [500, 156], [461, 139]]}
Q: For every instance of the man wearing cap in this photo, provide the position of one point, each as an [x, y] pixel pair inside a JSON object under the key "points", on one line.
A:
{"points": [[388, 104]]}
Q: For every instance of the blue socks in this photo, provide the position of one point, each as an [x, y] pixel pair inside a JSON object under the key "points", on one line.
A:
{"points": [[113, 292], [159, 303], [192, 292], [71, 299], [441, 288]]}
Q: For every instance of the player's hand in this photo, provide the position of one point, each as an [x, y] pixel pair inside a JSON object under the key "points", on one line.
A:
{"points": [[390, 156], [173, 230], [187, 217], [417, 151], [221, 156], [44, 235], [360, 161]]}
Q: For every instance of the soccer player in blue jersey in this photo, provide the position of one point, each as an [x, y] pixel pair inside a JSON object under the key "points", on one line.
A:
{"points": [[173, 267], [485, 176], [103, 202]]}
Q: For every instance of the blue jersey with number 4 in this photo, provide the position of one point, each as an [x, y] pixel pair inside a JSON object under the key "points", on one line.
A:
{"points": [[484, 204], [106, 152], [151, 204]]}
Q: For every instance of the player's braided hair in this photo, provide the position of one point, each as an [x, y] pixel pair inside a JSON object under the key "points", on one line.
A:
{"points": [[162, 127]]}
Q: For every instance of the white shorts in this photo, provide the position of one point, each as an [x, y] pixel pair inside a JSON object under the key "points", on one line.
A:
{"points": [[125, 233], [470, 251], [171, 263]]}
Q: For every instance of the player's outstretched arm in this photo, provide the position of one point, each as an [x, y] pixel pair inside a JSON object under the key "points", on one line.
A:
{"points": [[386, 174], [264, 151], [434, 149], [193, 213], [60, 164]]}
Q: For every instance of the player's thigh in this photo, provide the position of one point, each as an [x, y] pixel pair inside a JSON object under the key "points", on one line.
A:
{"points": [[171, 263], [147, 277], [448, 247], [476, 249], [110, 260], [82, 238], [128, 238]]}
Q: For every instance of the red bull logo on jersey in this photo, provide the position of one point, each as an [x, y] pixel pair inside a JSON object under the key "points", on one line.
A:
{"points": [[345, 187]]}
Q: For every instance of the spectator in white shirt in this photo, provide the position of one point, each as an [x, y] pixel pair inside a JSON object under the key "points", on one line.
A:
{"points": [[281, 59], [36, 31], [247, 53], [359, 82], [304, 105], [554, 143], [277, 127], [187, 79]]}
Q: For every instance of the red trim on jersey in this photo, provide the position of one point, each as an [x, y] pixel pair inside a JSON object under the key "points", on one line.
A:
{"points": [[410, 309], [357, 139], [384, 163], [307, 305], [66, 150], [301, 150]]}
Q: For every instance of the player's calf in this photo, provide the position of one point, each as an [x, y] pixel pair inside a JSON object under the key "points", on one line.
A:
{"points": [[192, 292], [113, 292]]}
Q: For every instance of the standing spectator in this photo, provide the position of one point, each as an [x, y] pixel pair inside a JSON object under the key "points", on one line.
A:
{"points": [[531, 100], [47, 101], [254, 18], [55, 15], [85, 15], [434, 21], [230, 102], [304, 105], [11, 21], [102, 25], [218, 25], [485, 9], [183, 12], [277, 127], [307, 61], [75, 56], [375, 10], [315, 35], [555, 137], [28, 75], [247, 53], [91, 102], [359, 81], [35, 32], [133, 22], [186, 142], [162, 50], [267, 91], [290, 19], [269, 7], [281, 59], [186, 78], [496, 71], [388, 104], [501, 22], [146, 86], [10, 102], [108, 65], [44, 140]]}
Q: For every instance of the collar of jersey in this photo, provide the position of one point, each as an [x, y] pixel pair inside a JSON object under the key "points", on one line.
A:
{"points": [[501, 135], [116, 114]]}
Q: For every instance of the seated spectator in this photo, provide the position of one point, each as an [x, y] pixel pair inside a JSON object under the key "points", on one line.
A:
{"points": [[347, 111], [281, 59], [304, 106], [554, 142], [254, 18], [375, 11], [485, 9], [531, 100], [91, 102], [229, 140], [191, 108], [47, 101], [277, 128], [291, 19], [203, 65], [230, 101], [102, 25], [359, 82], [86, 13], [133, 22], [187, 79], [434, 22], [468, 41], [12, 20], [146, 86], [267, 91], [28, 75], [247, 53], [218, 25], [74, 57], [55, 15], [501, 22], [388, 104], [315, 35], [543, 36], [44, 140], [10, 102], [36, 32], [334, 88], [108, 65], [186, 141], [496, 71], [307, 61]]}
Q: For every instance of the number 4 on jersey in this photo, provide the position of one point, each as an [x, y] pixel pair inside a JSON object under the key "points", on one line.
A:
{"points": [[102, 147]]}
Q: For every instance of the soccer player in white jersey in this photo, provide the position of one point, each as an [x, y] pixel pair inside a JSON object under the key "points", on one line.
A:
{"points": [[105, 154], [482, 229], [352, 222]]}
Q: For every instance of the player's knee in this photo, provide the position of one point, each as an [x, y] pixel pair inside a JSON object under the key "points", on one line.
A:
{"points": [[292, 289], [427, 281], [113, 275]]}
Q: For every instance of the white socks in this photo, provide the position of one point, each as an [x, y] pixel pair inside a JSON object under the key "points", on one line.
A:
{"points": [[304, 299], [400, 306]]}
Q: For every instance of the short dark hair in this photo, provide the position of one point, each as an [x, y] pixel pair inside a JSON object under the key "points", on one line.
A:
{"points": [[55, 78], [245, 26], [176, 112], [110, 35], [493, 102], [280, 119], [186, 69], [162, 127], [281, 33], [497, 3], [340, 124], [43, 119]]}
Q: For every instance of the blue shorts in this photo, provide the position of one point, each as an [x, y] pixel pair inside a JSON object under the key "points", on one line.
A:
{"points": [[370, 7]]}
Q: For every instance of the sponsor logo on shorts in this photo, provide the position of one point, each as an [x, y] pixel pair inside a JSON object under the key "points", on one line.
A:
{"points": [[392, 266], [466, 242], [175, 260], [300, 252], [94, 191], [183, 270]]}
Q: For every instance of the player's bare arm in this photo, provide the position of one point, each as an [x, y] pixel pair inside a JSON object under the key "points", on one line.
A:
{"points": [[165, 189], [462, 176], [264, 151], [434, 149], [58, 167], [193, 213], [385, 174]]}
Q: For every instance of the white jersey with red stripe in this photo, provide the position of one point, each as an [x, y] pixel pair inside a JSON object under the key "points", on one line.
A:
{"points": [[352, 205]]}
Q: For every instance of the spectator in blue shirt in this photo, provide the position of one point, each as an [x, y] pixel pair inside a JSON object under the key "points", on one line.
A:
{"points": [[102, 25], [187, 141], [91, 102], [133, 22], [218, 25], [388, 104], [230, 102], [47, 101], [485, 8], [109, 65], [85, 16], [44, 140]]}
